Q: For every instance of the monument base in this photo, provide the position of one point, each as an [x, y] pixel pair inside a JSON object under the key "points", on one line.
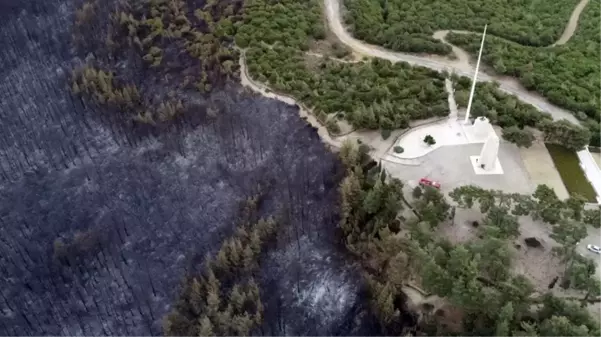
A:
{"points": [[498, 169]]}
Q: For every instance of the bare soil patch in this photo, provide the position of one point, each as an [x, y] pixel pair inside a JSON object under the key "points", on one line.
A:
{"points": [[330, 45], [461, 230], [539, 265]]}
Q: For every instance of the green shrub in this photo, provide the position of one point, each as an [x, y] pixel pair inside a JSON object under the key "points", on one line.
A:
{"points": [[429, 140], [417, 192], [398, 149], [332, 126], [521, 137], [322, 117], [385, 133]]}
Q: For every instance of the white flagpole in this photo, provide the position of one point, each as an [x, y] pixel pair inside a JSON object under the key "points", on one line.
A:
{"points": [[469, 103]]}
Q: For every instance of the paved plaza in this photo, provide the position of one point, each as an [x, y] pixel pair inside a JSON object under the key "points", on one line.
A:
{"points": [[445, 133], [451, 166]]}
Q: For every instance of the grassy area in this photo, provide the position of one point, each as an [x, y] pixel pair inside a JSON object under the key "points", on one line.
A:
{"points": [[571, 173]]}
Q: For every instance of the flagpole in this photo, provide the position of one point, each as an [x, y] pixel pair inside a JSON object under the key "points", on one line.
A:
{"points": [[469, 103]]}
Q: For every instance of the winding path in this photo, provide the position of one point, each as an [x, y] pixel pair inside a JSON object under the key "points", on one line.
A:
{"points": [[572, 24], [460, 66], [264, 90]]}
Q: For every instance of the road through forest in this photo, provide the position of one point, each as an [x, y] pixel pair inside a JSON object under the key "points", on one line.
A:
{"points": [[572, 24], [461, 66]]}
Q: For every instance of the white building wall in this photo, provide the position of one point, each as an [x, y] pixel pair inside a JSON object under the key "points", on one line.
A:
{"points": [[490, 150], [591, 170]]}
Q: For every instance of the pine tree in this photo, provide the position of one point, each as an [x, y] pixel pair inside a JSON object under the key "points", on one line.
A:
{"points": [[255, 242], [504, 320], [212, 282], [223, 320], [241, 324], [248, 258], [213, 302], [385, 303], [75, 88], [237, 297], [373, 199], [205, 327], [197, 296], [350, 195], [222, 261], [213, 293], [397, 271], [349, 154], [253, 288], [234, 248]]}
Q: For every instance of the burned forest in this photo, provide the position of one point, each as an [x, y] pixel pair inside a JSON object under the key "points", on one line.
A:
{"points": [[128, 158]]}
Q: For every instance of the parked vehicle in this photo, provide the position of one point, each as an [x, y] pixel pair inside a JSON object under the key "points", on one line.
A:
{"points": [[594, 249], [428, 182]]}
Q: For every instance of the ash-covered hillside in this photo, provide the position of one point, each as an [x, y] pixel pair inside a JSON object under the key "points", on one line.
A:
{"points": [[101, 220]]}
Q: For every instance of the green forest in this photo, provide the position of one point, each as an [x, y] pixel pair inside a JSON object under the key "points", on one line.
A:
{"points": [[408, 26], [223, 299], [517, 42], [371, 94], [475, 277], [514, 116], [567, 75]]}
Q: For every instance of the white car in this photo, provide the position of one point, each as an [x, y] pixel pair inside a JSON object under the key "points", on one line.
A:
{"points": [[594, 249]]}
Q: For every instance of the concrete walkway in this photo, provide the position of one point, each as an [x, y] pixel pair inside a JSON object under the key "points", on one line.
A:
{"points": [[450, 132], [446, 133], [591, 170]]}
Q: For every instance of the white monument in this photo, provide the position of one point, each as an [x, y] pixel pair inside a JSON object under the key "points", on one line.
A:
{"points": [[488, 162], [488, 155], [469, 102], [481, 129]]}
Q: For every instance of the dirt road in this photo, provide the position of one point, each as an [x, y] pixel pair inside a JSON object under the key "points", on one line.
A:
{"points": [[247, 81], [572, 24]]}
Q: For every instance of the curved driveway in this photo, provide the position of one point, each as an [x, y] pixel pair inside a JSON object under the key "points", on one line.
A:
{"points": [[508, 85]]}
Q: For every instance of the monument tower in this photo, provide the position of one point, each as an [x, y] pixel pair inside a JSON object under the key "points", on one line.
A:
{"points": [[488, 155], [487, 162]]}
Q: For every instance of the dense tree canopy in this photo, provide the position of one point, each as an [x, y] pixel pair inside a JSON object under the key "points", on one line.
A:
{"points": [[224, 299], [519, 36], [521, 137], [369, 94], [408, 26], [567, 75], [501, 108], [474, 276], [372, 94], [375, 94], [510, 113]]}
